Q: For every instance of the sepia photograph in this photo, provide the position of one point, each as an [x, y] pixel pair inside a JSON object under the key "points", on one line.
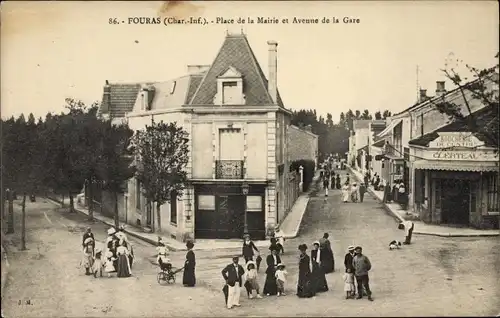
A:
{"points": [[250, 158]]}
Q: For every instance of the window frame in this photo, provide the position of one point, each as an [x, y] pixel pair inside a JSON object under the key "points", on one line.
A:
{"points": [[492, 195]]}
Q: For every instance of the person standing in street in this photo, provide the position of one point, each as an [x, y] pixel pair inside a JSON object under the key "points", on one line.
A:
{"points": [[408, 226], [348, 259], [232, 274], [362, 266], [88, 234], [189, 276], [362, 190], [248, 248]]}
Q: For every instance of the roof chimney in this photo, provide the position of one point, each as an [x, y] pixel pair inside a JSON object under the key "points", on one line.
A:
{"points": [[440, 90], [423, 95], [106, 98], [272, 85]]}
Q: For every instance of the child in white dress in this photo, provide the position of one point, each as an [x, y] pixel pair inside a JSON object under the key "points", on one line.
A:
{"points": [[280, 238], [98, 263], [281, 274], [108, 265], [252, 279], [349, 284]]}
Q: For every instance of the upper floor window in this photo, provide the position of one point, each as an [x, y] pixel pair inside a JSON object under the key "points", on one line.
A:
{"points": [[230, 92]]}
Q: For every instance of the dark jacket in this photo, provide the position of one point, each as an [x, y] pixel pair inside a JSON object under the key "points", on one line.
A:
{"points": [[270, 263], [348, 262], [86, 235], [362, 189], [361, 265], [231, 276], [247, 250]]}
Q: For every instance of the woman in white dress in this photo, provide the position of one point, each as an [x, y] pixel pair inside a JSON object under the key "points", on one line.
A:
{"points": [[345, 192]]}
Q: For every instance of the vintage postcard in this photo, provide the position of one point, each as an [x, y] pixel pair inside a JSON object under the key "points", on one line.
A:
{"points": [[250, 158]]}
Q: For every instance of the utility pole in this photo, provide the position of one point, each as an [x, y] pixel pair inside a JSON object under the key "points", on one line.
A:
{"points": [[23, 223]]}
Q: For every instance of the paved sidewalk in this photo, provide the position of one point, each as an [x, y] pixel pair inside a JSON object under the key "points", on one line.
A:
{"points": [[290, 227], [421, 227]]}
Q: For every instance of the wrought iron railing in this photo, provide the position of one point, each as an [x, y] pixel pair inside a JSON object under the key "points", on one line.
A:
{"points": [[229, 169]]}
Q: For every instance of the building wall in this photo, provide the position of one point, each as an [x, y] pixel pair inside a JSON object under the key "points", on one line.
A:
{"points": [[302, 144]]}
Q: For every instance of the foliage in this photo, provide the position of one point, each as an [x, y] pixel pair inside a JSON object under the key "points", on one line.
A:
{"points": [[484, 88], [333, 137], [162, 155], [309, 168]]}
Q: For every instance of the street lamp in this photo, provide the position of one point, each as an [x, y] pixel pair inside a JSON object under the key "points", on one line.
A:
{"points": [[244, 189]]}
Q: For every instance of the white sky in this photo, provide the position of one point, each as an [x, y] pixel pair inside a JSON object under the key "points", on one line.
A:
{"points": [[54, 50]]}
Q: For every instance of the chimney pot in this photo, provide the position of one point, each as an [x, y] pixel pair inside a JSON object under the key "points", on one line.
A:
{"points": [[423, 95], [272, 85], [440, 88], [106, 99]]}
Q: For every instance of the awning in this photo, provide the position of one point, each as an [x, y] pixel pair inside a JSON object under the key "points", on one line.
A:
{"points": [[475, 166], [389, 128]]}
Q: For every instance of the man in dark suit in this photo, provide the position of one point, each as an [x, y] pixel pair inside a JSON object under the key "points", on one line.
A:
{"points": [[232, 274]]}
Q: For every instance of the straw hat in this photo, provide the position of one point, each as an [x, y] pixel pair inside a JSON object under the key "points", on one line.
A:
{"points": [[111, 231], [88, 240], [251, 263], [316, 243], [350, 248]]}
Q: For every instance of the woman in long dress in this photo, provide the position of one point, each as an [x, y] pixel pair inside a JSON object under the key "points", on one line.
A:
{"points": [[345, 193], [304, 287], [327, 262], [338, 185], [318, 275], [123, 260], [272, 260], [354, 192], [189, 277]]}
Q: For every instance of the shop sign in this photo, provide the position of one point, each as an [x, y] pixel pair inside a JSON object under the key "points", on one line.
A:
{"points": [[455, 140], [456, 155]]}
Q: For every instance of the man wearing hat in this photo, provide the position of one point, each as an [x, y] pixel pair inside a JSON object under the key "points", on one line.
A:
{"points": [[232, 274], [348, 259], [120, 234], [362, 266]]}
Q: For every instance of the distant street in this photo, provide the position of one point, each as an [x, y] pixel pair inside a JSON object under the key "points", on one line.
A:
{"points": [[432, 277]]}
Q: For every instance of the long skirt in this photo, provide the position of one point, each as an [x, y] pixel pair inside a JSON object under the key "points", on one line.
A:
{"points": [[189, 277], [270, 287], [319, 279], [123, 266], [304, 287], [327, 262], [337, 185], [345, 195]]}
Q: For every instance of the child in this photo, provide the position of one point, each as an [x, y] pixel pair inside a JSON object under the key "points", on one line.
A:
{"points": [[97, 267], [88, 255], [349, 284], [280, 239], [162, 256], [251, 279], [281, 274], [109, 266]]}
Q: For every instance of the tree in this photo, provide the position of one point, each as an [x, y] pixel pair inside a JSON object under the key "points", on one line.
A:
{"points": [[481, 88], [358, 114], [378, 115], [115, 165], [386, 114], [162, 155]]}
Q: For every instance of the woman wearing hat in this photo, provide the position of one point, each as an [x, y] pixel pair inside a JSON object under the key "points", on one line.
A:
{"points": [[189, 277], [318, 275], [304, 288], [272, 260], [328, 262]]}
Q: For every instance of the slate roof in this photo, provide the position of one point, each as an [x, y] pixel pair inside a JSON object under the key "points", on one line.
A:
{"points": [[194, 83], [123, 98], [486, 117], [236, 52]]}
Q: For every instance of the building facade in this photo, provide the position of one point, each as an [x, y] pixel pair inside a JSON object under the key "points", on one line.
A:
{"points": [[303, 144], [239, 159]]}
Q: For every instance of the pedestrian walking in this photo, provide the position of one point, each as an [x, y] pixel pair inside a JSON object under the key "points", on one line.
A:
{"points": [[88, 255], [88, 234], [362, 190], [332, 181], [248, 248], [304, 284], [318, 275], [354, 192], [366, 179], [272, 261], [281, 274], [362, 266], [98, 263], [338, 185], [328, 262], [232, 275], [345, 192], [189, 276], [122, 253], [109, 265]]}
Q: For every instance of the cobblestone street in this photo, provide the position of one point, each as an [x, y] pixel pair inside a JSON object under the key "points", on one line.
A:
{"points": [[433, 276]]}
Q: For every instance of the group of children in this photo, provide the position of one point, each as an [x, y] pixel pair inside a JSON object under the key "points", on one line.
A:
{"points": [[252, 284]]}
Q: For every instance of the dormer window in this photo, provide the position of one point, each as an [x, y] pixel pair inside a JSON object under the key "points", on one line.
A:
{"points": [[172, 88], [230, 88]]}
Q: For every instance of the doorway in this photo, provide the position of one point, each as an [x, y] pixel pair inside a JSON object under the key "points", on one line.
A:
{"points": [[455, 201], [230, 212]]}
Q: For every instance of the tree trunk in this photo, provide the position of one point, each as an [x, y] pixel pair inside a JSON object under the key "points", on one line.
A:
{"points": [[117, 221], [3, 209], [23, 223], [148, 213], [10, 221], [62, 203], [71, 203], [90, 201], [158, 215]]}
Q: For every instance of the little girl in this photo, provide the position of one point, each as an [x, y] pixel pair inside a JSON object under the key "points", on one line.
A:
{"points": [[349, 284], [280, 237], [97, 267], [281, 274], [252, 280], [109, 267], [162, 258]]}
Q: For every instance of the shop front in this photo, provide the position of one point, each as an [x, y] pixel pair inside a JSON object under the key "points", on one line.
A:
{"points": [[455, 181]]}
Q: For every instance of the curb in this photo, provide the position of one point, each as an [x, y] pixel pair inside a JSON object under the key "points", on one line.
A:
{"points": [[401, 219]]}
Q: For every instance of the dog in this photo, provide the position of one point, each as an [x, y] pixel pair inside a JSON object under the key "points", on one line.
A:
{"points": [[394, 245]]}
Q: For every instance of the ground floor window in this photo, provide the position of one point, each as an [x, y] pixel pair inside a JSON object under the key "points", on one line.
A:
{"points": [[492, 182], [254, 203]]}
